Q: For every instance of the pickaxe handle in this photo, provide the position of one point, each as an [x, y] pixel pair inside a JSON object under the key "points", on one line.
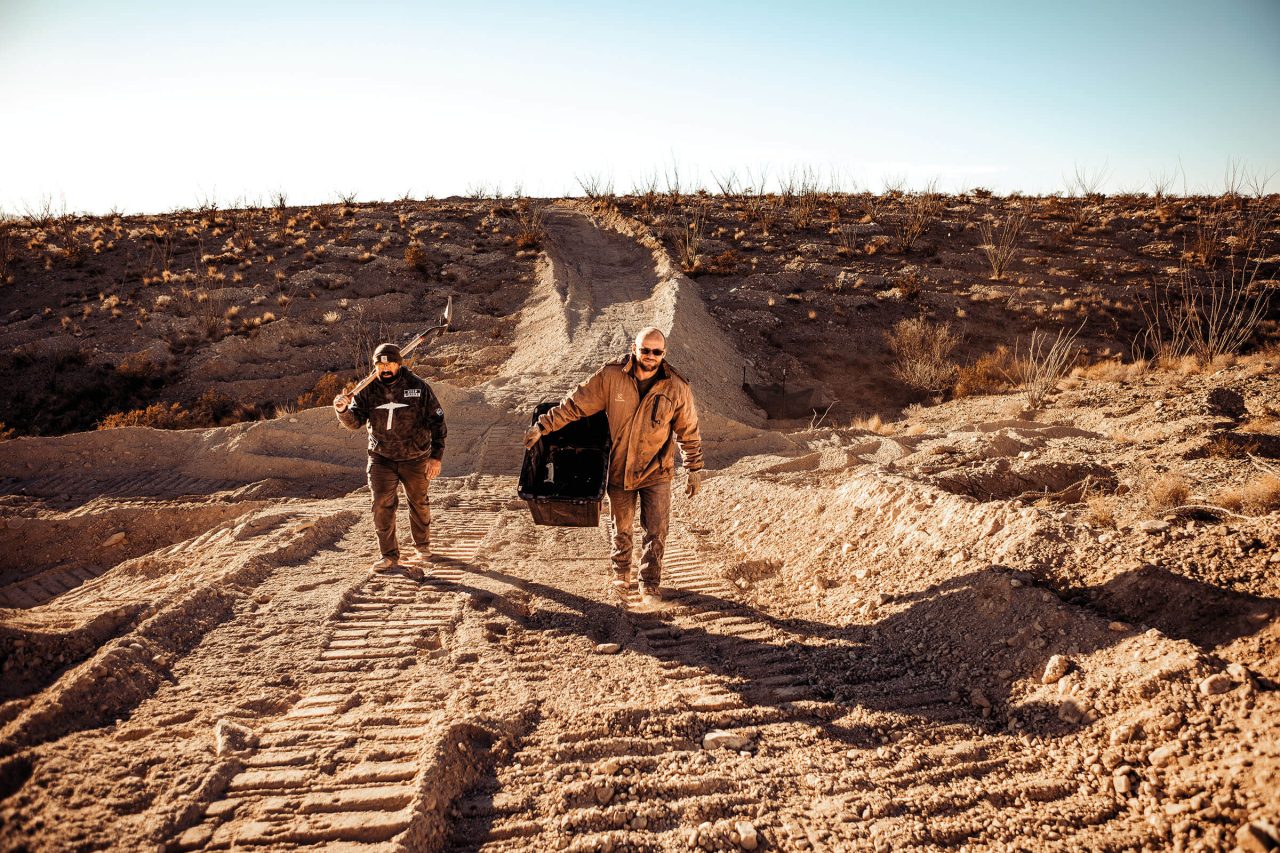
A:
{"points": [[418, 340]]}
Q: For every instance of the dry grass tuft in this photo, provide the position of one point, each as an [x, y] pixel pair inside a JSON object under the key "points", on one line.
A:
{"points": [[1099, 511], [1112, 370], [990, 374], [874, 424], [1259, 496], [1167, 491]]}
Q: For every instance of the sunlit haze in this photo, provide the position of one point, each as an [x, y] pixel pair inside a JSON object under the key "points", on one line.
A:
{"points": [[148, 106]]}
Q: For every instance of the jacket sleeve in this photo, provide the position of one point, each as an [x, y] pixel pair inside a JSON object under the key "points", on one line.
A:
{"points": [[688, 437], [587, 399], [433, 416], [357, 414]]}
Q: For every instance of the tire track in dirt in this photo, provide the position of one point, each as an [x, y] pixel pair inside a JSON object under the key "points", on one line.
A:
{"points": [[897, 761], [167, 617], [152, 484], [345, 764]]}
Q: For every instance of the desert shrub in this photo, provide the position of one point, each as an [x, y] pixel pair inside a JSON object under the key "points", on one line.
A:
{"points": [[157, 416], [999, 244], [725, 263], [1203, 317], [322, 393], [990, 374], [920, 211], [922, 353], [909, 283], [8, 248], [688, 240], [139, 366], [1044, 364], [530, 224], [415, 255], [1259, 496], [1167, 491], [5, 432], [595, 186]]}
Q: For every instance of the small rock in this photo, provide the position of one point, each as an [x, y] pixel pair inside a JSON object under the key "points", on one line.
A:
{"points": [[1153, 526], [604, 793], [1071, 711], [1015, 583], [1217, 683], [1239, 672], [1057, 667], [1224, 402], [748, 839], [1258, 836], [233, 738], [720, 739], [1122, 783], [1118, 627], [114, 539], [978, 698], [1162, 755], [1123, 734], [608, 649]]}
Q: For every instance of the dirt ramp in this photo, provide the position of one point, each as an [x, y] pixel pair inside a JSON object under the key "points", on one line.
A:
{"points": [[603, 278]]}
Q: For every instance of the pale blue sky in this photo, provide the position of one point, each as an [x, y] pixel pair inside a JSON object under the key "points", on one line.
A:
{"points": [[151, 105]]}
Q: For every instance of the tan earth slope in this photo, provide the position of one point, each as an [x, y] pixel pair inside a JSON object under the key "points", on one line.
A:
{"points": [[910, 639]]}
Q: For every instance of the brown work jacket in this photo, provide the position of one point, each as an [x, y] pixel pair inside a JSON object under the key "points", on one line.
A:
{"points": [[644, 432]]}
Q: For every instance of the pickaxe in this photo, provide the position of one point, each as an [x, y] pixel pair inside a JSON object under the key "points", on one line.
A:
{"points": [[418, 340]]}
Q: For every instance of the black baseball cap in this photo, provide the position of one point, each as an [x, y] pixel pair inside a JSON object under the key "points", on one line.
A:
{"points": [[387, 352]]}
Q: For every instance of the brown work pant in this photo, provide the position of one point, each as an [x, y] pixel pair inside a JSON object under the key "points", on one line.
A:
{"points": [[655, 518], [385, 476]]}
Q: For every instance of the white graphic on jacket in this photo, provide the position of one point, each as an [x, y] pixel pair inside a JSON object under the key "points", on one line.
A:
{"points": [[391, 411], [417, 431]]}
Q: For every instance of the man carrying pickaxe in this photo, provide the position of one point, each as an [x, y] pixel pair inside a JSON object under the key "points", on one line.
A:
{"points": [[406, 443]]}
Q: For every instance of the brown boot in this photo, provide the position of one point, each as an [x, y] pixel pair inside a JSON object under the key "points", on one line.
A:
{"points": [[620, 586]]}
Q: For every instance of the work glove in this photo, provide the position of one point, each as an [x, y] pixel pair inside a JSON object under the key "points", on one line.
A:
{"points": [[532, 437], [341, 402], [694, 484]]}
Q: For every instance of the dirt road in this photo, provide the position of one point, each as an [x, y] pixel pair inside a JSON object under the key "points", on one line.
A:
{"points": [[235, 678]]}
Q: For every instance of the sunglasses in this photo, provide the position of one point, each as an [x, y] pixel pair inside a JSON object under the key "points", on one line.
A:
{"points": [[647, 351]]}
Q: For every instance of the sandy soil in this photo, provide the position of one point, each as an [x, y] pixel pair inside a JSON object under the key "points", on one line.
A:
{"points": [[913, 638]]}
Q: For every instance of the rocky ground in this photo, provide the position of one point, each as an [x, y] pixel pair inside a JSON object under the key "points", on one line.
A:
{"points": [[970, 624]]}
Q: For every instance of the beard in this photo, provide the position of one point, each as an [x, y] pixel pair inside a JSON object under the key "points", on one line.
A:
{"points": [[386, 375]]}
